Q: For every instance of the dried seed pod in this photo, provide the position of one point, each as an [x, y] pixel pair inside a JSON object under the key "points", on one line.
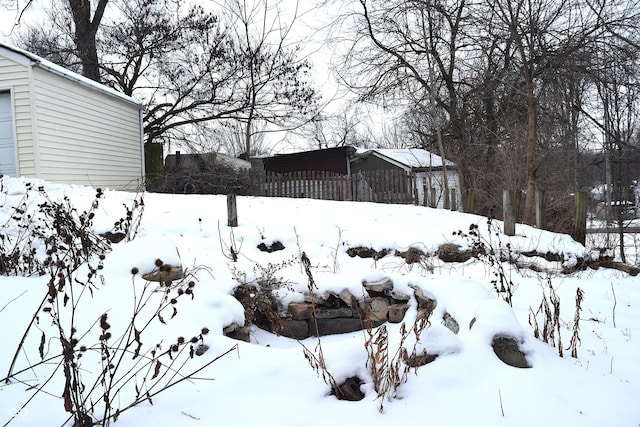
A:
{"points": [[103, 322]]}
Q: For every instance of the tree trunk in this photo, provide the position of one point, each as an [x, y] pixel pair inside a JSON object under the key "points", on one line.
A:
{"points": [[529, 204], [85, 35]]}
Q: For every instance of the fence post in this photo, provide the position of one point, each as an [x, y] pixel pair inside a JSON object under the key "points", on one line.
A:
{"points": [[540, 210], [232, 211], [154, 165], [580, 230], [454, 199], [470, 200], [508, 213], [517, 202]]}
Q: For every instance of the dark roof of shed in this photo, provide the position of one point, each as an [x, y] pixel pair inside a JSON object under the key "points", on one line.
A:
{"points": [[329, 159]]}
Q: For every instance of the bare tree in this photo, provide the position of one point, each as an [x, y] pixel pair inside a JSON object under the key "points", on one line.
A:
{"points": [[179, 62], [190, 68], [341, 128], [86, 22], [86, 18], [618, 87], [493, 77], [406, 53], [275, 88], [231, 136]]}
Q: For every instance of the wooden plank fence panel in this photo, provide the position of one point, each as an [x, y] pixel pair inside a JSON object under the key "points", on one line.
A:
{"points": [[382, 186]]}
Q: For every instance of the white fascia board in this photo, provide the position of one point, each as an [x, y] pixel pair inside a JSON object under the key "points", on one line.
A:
{"points": [[29, 59]]}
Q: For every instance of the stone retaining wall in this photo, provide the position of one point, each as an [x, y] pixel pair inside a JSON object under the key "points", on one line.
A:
{"points": [[338, 314]]}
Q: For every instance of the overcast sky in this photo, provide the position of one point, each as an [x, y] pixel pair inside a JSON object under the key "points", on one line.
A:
{"points": [[306, 32]]}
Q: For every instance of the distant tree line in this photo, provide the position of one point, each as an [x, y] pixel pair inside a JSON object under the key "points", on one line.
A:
{"points": [[514, 91]]}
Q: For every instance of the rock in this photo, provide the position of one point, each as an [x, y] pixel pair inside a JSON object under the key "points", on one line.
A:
{"points": [[378, 309], [508, 350], [333, 313], [412, 255], [399, 297], [316, 299], [381, 286], [424, 302], [332, 301], [450, 252], [201, 349], [363, 252], [300, 311], [240, 334], [350, 390], [275, 246], [278, 306], [230, 328], [334, 326], [165, 274], [116, 237], [421, 359], [450, 323], [348, 298], [298, 329], [397, 312], [237, 332]]}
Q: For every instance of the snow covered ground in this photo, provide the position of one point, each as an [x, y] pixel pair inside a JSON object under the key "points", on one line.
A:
{"points": [[268, 382]]}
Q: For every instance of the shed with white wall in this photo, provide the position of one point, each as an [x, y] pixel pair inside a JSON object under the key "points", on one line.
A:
{"points": [[428, 168], [62, 127]]}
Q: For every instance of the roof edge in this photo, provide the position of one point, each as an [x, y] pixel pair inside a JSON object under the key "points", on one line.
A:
{"points": [[36, 61], [374, 152]]}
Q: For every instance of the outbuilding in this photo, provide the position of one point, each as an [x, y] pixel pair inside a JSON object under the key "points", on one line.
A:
{"points": [[59, 126], [428, 168]]}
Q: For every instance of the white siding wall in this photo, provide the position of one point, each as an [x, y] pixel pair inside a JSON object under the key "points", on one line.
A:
{"points": [[85, 136], [437, 182], [15, 77]]}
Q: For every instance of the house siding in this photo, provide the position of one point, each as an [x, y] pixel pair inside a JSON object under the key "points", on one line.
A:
{"points": [[99, 146], [68, 129], [435, 179], [15, 77]]}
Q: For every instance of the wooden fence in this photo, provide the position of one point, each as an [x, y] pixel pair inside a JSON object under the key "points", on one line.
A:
{"points": [[382, 186]]}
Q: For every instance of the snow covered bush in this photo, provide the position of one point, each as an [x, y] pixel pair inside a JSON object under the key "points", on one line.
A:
{"points": [[98, 354]]}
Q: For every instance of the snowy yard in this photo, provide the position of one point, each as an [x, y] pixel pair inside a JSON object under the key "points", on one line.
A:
{"points": [[268, 381]]}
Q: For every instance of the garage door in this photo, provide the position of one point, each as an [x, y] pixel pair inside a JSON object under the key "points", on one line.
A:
{"points": [[7, 144]]}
